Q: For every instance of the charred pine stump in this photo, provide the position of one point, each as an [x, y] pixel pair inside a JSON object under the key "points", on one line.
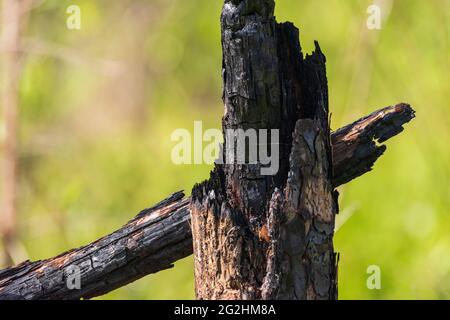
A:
{"points": [[259, 236]]}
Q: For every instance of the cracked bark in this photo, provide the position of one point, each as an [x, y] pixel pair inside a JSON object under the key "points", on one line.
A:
{"points": [[151, 242], [245, 246], [271, 237], [162, 235]]}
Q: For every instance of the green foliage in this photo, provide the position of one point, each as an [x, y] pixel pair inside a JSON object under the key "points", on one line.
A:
{"points": [[97, 114]]}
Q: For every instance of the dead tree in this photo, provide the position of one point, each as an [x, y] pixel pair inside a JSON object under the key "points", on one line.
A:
{"points": [[10, 42], [254, 236], [258, 236]]}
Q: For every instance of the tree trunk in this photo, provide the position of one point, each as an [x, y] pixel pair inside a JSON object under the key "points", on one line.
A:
{"points": [[268, 236]]}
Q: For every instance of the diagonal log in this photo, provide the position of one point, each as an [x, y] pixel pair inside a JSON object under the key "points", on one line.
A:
{"points": [[159, 236]]}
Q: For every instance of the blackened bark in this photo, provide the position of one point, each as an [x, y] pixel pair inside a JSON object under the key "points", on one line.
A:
{"points": [[159, 245], [255, 236], [246, 247], [151, 242], [164, 235]]}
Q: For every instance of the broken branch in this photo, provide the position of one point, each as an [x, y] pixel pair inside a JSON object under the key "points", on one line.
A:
{"points": [[161, 235]]}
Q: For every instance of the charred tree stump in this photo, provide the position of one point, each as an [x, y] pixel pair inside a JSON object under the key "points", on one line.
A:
{"points": [[262, 236]]}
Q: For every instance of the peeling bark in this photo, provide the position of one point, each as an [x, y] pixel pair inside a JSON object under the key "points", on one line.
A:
{"points": [[269, 85], [257, 236]]}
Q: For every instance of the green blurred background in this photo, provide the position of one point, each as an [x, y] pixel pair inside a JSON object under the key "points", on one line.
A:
{"points": [[98, 105]]}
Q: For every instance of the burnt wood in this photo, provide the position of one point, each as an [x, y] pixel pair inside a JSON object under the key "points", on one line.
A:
{"points": [[259, 236], [161, 235]]}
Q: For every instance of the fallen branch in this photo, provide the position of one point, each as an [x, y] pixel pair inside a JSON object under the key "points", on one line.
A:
{"points": [[158, 237], [357, 146]]}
